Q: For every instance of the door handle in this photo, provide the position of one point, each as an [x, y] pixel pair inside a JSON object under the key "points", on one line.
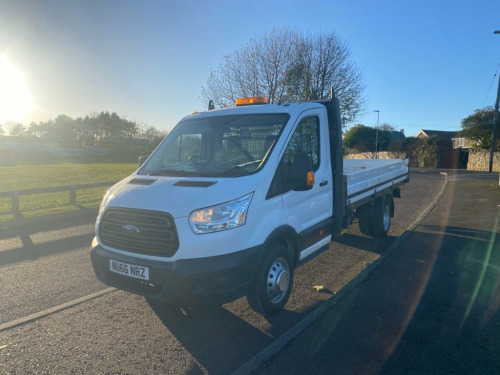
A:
{"points": [[323, 183]]}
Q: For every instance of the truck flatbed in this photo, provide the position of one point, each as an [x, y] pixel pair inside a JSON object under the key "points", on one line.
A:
{"points": [[367, 177]]}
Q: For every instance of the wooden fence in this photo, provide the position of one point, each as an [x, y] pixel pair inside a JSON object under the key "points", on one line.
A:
{"points": [[71, 189]]}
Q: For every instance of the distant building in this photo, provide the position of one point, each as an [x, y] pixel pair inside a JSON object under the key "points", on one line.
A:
{"points": [[454, 136]]}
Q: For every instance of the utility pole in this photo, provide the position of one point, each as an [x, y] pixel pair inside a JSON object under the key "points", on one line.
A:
{"points": [[376, 134], [493, 132], [495, 123]]}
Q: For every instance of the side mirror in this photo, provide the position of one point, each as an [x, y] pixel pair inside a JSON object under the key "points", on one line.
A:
{"points": [[301, 175], [142, 159]]}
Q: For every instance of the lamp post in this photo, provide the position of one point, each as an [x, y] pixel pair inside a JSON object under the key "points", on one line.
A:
{"points": [[376, 134], [495, 123]]}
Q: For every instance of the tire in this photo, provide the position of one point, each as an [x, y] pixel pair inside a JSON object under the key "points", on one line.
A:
{"points": [[382, 219], [365, 225], [377, 222], [273, 283]]}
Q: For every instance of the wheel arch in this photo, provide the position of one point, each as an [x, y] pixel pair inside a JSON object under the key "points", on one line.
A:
{"points": [[286, 236], [369, 209]]}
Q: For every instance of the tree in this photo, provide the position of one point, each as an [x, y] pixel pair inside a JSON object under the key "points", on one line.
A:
{"points": [[284, 65], [387, 127], [66, 131], [17, 129], [154, 137], [361, 138], [479, 126], [102, 129]]}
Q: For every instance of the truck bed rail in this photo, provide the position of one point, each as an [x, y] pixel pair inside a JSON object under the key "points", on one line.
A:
{"points": [[368, 178]]}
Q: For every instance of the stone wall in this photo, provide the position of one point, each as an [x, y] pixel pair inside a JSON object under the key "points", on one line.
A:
{"points": [[381, 155], [479, 161]]}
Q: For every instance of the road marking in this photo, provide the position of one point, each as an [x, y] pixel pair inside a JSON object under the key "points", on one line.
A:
{"points": [[53, 310]]}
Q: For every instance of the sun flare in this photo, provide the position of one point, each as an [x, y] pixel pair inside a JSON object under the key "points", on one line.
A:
{"points": [[15, 96]]}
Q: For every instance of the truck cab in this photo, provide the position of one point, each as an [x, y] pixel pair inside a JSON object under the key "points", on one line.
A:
{"points": [[228, 205]]}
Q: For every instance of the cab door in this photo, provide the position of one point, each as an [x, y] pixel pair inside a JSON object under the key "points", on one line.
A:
{"points": [[310, 212]]}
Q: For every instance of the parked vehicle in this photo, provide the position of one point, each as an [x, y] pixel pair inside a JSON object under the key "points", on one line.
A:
{"points": [[233, 200]]}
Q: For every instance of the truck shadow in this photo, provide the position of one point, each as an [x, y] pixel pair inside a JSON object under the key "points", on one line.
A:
{"points": [[362, 242], [222, 340]]}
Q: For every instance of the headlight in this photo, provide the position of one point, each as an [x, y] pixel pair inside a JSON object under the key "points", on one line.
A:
{"points": [[221, 217]]}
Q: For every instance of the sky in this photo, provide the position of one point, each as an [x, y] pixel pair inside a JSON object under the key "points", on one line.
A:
{"points": [[425, 64]]}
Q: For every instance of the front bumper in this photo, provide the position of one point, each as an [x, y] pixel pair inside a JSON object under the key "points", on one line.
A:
{"points": [[217, 279]]}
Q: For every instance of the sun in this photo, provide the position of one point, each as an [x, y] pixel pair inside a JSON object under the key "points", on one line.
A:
{"points": [[15, 96]]}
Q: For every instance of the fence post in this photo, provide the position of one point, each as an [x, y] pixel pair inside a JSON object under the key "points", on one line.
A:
{"points": [[72, 195]]}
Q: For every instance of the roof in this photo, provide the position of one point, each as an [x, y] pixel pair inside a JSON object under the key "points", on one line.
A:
{"points": [[439, 133], [288, 108]]}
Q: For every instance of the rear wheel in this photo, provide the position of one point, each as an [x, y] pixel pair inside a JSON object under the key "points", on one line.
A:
{"points": [[273, 284], [376, 221], [365, 224], [382, 218]]}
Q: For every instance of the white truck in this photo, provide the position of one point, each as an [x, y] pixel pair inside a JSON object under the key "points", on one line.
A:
{"points": [[234, 199]]}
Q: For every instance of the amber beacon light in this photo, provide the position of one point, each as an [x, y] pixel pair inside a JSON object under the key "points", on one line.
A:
{"points": [[251, 101]]}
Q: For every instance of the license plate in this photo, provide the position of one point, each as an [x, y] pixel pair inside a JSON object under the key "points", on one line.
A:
{"points": [[130, 270]]}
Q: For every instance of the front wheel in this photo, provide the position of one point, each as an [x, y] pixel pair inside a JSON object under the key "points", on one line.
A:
{"points": [[273, 284]]}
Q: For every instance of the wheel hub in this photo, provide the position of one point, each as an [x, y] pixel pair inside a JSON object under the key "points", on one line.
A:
{"points": [[278, 280]]}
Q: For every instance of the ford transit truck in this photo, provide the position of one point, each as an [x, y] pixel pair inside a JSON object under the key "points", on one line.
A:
{"points": [[233, 200]]}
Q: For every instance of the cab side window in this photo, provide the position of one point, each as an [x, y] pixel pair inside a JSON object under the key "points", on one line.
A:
{"points": [[305, 141]]}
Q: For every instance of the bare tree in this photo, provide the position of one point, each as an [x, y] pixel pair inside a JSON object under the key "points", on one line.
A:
{"points": [[385, 126], [284, 65], [259, 68]]}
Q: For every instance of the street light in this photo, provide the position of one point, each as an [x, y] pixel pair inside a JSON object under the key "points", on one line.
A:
{"points": [[376, 134]]}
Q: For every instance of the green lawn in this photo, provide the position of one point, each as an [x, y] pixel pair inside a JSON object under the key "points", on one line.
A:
{"points": [[24, 177]]}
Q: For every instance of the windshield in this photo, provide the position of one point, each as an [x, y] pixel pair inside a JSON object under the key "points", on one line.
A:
{"points": [[235, 145]]}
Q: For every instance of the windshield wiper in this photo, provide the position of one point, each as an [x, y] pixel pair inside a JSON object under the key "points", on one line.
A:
{"points": [[236, 168]]}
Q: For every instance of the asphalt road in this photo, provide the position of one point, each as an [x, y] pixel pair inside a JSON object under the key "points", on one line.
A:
{"points": [[430, 307], [46, 266]]}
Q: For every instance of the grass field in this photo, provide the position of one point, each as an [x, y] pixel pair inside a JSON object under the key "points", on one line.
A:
{"points": [[24, 177]]}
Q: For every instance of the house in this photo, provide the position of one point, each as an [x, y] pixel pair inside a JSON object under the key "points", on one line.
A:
{"points": [[454, 136]]}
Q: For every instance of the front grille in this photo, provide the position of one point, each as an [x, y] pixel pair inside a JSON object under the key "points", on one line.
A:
{"points": [[139, 231]]}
